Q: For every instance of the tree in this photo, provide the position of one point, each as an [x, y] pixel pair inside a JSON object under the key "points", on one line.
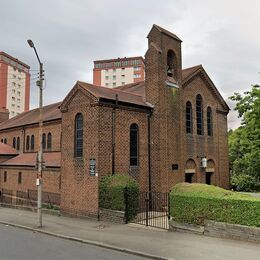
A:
{"points": [[244, 142]]}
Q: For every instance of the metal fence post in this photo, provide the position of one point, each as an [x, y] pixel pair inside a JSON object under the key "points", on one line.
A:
{"points": [[126, 194], [146, 211]]}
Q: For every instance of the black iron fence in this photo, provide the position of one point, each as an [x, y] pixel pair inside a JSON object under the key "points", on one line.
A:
{"points": [[29, 198], [148, 208]]}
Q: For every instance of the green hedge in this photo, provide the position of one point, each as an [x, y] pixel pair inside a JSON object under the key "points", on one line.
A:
{"points": [[193, 203], [111, 193]]}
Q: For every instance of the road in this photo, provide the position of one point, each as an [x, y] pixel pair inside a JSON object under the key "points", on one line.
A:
{"points": [[22, 244]]}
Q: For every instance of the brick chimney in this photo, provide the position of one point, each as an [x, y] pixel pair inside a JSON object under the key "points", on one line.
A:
{"points": [[4, 114]]}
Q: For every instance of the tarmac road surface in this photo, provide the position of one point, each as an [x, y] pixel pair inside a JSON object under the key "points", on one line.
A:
{"points": [[16, 243]]}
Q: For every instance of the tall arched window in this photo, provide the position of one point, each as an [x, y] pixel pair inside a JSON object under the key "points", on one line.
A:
{"points": [[43, 141], [14, 143], [27, 142], [32, 142], [134, 140], [49, 140], [189, 126], [209, 121], [78, 135], [171, 64], [5, 141], [199, 114], [2, 140], [18, 143]]}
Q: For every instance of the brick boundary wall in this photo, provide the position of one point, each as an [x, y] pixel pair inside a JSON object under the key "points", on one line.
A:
{"points": [[112, 216], [219, 229]]}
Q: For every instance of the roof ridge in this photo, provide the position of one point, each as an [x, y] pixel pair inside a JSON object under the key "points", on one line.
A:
{"points": [[110, 89]]}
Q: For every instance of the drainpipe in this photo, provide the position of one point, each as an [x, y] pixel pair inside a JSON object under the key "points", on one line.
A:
{"points": [[113, 134], [23, 130], [149, 153]]}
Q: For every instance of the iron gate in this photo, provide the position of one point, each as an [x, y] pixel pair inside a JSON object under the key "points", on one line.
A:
{"points": [[152, 209]]}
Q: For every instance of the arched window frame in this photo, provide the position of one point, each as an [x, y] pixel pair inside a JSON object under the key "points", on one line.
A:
{"points": [[43, 141], [14, 142], [27, 143], [78, 139], [49, 141], [2, 140], [199, 114], [134, 145], [209, 121], [18, 144], [5, 141], [32, 143], [189, 122]]}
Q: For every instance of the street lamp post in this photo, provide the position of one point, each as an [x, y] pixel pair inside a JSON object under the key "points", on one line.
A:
{"points": [[39, 180]]}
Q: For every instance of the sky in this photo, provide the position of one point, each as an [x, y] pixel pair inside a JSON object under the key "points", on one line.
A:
{"points": [[222, 35]]}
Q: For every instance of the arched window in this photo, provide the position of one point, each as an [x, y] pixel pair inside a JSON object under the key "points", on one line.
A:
{"points": [[134, 140], [32, 142], [209, 121], [5, 141], [171, 64], [199, 114], [78, 135], [27, 142], [2, 140], [18, 143], [189, 126], [49, 137], [14, 143], [43, 141]]}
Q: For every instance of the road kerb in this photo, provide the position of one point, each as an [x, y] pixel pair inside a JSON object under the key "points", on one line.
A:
{"points": [[89, 242]]}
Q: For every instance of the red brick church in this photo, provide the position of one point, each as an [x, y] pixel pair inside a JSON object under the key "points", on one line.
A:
{"points": [[170, 128]]}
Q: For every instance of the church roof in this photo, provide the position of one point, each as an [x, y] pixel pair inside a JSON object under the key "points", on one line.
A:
{"points": [[6, 149], [123, 96], [50, 112], [51, 159], [166, 32]]}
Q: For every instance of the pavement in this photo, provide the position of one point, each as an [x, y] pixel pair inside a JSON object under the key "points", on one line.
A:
{"points": [[134, 239]]}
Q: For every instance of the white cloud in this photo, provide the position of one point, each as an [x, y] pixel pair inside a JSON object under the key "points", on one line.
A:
{"points": [[222, 35]]}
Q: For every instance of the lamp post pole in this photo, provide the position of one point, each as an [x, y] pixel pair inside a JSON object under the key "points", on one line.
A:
{"points": [[39, 181]]}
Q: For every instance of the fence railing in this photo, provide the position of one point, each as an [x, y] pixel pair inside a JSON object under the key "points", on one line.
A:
{"points": [[28, 198]]}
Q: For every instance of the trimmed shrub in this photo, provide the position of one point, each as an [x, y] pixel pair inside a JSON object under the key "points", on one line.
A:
{"points": [[244, 182], [112, 193], [193, 203]]}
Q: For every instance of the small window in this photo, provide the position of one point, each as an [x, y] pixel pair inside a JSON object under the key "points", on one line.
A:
{"points": [[32, 142], [5, 176], [14, 143], [18, 143], [43, 141], [114, 77], [134, 142], [49, 140], [107, 77], [123, 83], [19, 177], [78, 135], [188, 177], [209, 121], [27, 142], [208, 178], [5, 141], [189, 118], [199, 114], [114, 84]]}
